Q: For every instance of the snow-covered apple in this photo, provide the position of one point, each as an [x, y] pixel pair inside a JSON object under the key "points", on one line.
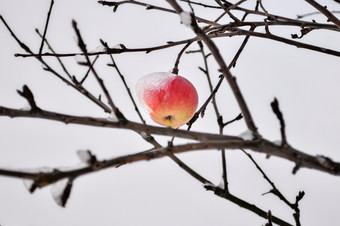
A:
{"points": [[169, 99]]}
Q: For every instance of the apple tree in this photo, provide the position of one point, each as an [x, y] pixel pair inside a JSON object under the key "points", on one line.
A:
{"points": [[251, 82]]}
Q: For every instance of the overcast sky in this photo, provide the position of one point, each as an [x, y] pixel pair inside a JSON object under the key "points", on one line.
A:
{"points": [[159, 192]]}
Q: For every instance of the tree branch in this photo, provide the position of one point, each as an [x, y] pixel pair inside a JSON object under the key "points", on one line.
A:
{"points": [[82, 46], [220, 192], [223, 67], [102, 122], [325, 12], [301, 159], [149, 7], [276, 110], [46, 26]]}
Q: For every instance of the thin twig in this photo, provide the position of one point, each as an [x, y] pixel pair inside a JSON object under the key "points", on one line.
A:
{"points": [[283, 40], [264, 9], [88, 70], [226, 9], [149, 7], [233, 26], [42, 179], [314, 13], [175, 70], [58, 58], [28, 95], [213, 93], [325, 11], [277, 192], [270, 218], [277, 111], [274, 190], [201, 4], [206, 72], [218, 115], [48, 68], [46, 26], [222, 193], [223, 67], [239, 117], [82, 46], [114, 64], [114, 50]]}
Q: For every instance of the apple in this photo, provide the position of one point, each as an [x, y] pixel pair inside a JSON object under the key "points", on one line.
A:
{"points": [[169, 99]]}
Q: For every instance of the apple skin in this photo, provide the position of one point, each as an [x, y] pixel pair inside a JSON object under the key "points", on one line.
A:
{"points": [[169, 99]]}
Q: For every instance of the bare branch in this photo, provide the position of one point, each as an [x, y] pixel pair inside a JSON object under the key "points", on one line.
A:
{"points": [[78, 87], [46, 26], [223, 67], [175, 69], [220, 192], [325, 11], [58, 58], [314, 13], [149, 7], [320, 163], [82, 46], [102, 122], [278, 193], [113, 50], [276, 110], [28, 95]]}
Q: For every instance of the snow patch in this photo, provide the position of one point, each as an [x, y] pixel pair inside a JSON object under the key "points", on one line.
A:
{"points": [[99, 49], [112, 117], [84, 156], [70, 168], [221, 184], [321, 159], [119, 46], [144, 135], [80, 59], [76, 39], [247, 135], [27, 107], [28, 182], [57, 191], [150, 82], [186, 18], [278, 142]]}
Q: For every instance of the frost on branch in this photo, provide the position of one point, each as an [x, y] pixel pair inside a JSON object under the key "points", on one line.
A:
{"points": [[26, 107], [84, 156], [61, 191], [186, 18], [221, 184], [112, 117], [119, 46], [87, 157], [278, 142], [80, 59], [247, 135], [99, 49], [28, 183], [144, 135], [324, 161]]}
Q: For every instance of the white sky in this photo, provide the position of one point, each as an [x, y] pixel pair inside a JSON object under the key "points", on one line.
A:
{"points": [[158, 192]]}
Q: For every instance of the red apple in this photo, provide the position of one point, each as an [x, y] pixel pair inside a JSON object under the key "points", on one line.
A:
{"points": [[169, 99]]}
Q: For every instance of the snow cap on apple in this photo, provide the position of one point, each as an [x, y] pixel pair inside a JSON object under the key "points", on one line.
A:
{"points": [[169, 99]]}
